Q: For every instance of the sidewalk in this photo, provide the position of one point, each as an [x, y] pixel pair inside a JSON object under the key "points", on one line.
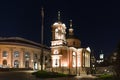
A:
{"points": [[86, 76]]}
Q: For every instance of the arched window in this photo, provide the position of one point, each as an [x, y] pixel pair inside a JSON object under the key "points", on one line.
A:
{"points": [[74, 59], [35, 65], [4, 62], [16, 54], [27, 55], [16, 64], [56, 34], [5, 54]]}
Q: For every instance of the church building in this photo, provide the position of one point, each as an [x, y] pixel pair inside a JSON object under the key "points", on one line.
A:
{"points": [[67, 54]]}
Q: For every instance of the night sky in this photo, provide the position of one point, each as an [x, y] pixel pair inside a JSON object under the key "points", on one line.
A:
{"points": [[96, 23]]}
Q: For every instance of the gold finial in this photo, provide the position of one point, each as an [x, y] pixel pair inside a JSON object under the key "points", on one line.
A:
{"points": [[70, 23], [58, 15]]}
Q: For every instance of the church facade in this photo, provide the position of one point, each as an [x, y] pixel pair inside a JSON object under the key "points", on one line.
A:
{"points": [[17, 52], [67, 54]]}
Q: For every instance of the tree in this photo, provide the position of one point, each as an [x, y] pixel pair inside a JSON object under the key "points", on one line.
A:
{"points": [[116, 64]]}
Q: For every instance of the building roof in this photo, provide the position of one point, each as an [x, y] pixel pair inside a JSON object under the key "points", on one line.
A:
{"points": [[72, 37], [18, 40]]}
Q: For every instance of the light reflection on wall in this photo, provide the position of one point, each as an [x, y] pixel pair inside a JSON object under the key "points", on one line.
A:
{"points": [[74, 59], [87, 59], [58, 42], [64, 64], [78, 60]]}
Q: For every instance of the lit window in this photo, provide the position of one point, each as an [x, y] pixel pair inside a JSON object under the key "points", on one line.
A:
{"points": [[56, 30], [16, 64], [73, 53], [27, 55], [5, 54], [16, 54], [101, 56]]}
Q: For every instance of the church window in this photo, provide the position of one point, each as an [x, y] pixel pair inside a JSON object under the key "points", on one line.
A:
{"points": [[56, 30], [5, 54], [56, 62], [16, 54], [56, 52], [27, 55]]}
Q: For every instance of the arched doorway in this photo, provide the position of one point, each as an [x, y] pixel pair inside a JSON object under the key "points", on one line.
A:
{"points": [[26, 64], [4, 63], [16, 64], [35, 65]]}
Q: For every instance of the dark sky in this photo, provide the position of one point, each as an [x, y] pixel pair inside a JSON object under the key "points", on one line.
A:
{"points": [[96, 23]]}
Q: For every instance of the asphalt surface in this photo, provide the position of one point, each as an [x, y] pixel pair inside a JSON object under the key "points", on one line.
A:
{"points": [[26, 75], [16, 75]]}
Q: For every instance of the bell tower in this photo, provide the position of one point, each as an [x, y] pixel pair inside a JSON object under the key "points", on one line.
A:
{"points": [[58, 43], [58, 32]]}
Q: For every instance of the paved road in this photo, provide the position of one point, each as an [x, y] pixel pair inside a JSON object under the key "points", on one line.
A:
{"points": [[17, 75], [26, 75]]}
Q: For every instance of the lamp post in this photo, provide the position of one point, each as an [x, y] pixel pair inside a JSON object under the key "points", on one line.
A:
{"points": [[42, 30]]}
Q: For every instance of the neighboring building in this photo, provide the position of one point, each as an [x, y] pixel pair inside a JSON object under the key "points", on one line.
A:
{"points": [[67, 54], [101, 58], [102, 64], [17, 52], [93, 63]]}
